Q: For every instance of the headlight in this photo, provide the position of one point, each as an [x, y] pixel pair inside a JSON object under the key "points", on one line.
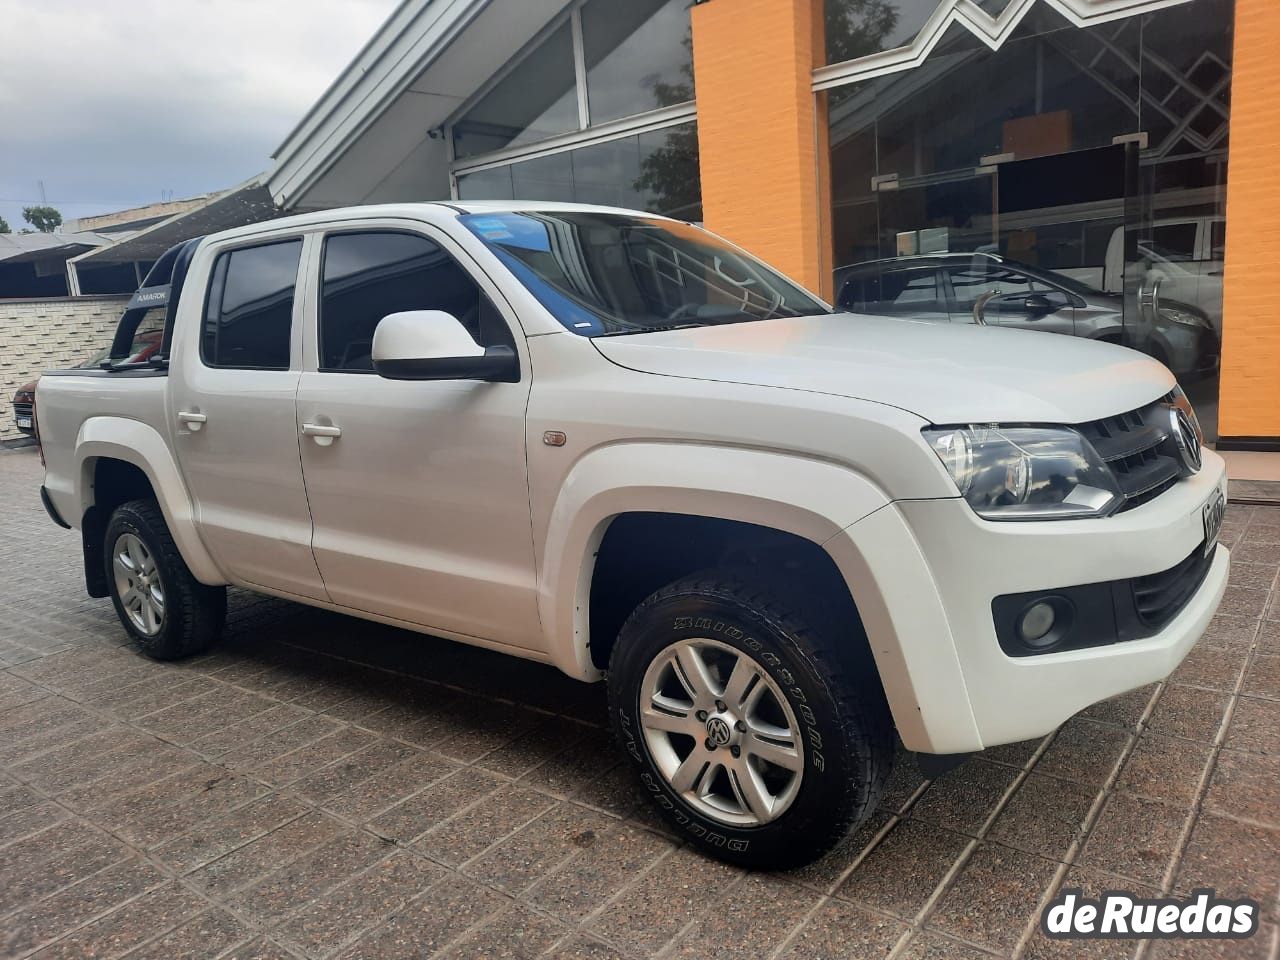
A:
{"points": [[1026, 473], [1184, 317]]}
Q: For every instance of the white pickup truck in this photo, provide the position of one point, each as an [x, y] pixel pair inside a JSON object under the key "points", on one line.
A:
{"points": [[618, 444]]}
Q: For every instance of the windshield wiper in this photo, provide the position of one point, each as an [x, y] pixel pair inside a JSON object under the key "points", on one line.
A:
{"points": [[664, 327]]}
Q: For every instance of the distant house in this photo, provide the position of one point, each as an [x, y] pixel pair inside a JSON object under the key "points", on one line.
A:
{"points": [[112, 252], [34, 264]]}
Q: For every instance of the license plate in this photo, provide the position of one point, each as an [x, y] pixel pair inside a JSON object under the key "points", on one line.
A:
{"points": [[1212, 514], [24, 423]]}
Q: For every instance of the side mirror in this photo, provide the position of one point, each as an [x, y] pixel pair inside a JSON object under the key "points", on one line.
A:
{"points": [[434, 345], [1037, 305]]}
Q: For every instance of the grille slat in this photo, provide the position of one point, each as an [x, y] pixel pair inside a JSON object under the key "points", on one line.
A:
{"points": [[1160, 597], [1138, 448]]}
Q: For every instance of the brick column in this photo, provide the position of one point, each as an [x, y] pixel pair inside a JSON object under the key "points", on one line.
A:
{"points": [[1250, 398], [760, 133]]}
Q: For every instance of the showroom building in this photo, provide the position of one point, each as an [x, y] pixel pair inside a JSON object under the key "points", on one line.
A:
{"points": [[1059, 165]]}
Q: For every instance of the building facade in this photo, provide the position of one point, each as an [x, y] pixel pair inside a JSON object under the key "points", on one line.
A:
{"points": [[1089, 167]]}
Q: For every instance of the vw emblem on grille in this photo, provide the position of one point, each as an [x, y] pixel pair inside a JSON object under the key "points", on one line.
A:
{"points": [[1186, 439], [719, 731]]}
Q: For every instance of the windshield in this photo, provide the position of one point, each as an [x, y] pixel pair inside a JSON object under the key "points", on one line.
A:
{"points": [[606, 274]]}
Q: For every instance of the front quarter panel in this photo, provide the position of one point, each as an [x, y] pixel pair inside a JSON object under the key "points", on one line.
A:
{"points": [[808, 498]]}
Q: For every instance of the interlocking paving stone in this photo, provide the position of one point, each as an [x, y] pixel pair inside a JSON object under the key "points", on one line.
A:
{"points": [[1084, 751], [128, 926], [1246, 787], [203, 937], [900, 874], [996, 891], [318, 786], [1045, 816], [471, 832], [79, 904], [840, 930], [438, 916], [514, 934], [962, 799], [660, 904], [749, 921], [209, 839], [1134, 838], [597, 872], [540, 847], [327, 922], [1164, 768], [255, 860], [1255, 726]]}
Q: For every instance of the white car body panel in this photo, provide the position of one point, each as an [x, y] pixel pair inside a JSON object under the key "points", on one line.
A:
{"points": [[441, 508], [926, 368]]}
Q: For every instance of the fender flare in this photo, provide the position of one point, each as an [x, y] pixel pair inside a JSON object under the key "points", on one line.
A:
{"points": [[809, 498], [120, 438]]}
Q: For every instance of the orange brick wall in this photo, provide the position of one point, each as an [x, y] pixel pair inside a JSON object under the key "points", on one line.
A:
{"points": [[758, 134], [1250, 400]]}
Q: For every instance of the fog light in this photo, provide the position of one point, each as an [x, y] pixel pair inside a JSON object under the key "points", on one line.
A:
{"points": [[1036, 623]]}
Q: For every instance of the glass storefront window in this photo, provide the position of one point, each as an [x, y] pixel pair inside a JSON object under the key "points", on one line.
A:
{"points": [[655, 171], [638, 56], [857, 28], [538, 99], [1090, 159]]}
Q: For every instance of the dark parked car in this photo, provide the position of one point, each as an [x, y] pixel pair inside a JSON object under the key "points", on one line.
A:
{"points": [[961, 287]]}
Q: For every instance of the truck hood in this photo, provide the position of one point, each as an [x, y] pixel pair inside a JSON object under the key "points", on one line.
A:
{"points": [[943, 373]]}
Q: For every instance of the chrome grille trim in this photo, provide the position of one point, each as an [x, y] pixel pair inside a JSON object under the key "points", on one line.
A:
{"points": [[1139, 449]]}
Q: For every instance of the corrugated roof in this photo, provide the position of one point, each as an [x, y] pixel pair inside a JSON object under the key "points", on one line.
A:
{"points": [[28, 247]]}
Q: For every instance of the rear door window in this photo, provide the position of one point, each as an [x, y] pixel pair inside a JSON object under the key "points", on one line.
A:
{"points": [[249, 312]]}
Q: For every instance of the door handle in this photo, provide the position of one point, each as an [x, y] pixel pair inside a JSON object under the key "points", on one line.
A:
{"points": [[322, 434], [193, 421]]}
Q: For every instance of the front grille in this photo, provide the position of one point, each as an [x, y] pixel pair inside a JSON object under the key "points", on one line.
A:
{"points": [[1159, 598], [22, 409], [1140, 451]]}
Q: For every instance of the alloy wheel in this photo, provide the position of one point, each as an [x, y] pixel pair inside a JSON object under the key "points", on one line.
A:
{"points": [[138, 584], [720, 731]]}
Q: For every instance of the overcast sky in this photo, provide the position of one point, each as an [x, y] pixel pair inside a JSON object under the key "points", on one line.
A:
{"points": [[113, 102]]}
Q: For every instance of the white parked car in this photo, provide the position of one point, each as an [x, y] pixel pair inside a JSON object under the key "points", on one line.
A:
{"points": [[615, 443]]}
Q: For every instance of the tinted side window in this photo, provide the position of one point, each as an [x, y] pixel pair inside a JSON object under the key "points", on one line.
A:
{"points": [[249, 313], [971, 282], [894, 292], [367, 276], [1173, 241]]}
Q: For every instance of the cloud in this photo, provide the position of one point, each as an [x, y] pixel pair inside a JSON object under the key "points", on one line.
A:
{"points": [[111, 102]]}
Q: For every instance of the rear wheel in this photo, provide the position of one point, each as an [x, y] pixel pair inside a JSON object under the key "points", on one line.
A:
{"points": [[165, 610], [762, 741]]}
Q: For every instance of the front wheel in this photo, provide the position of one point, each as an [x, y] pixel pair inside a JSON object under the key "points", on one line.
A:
{"points": [[167, 611], [762, 741]]}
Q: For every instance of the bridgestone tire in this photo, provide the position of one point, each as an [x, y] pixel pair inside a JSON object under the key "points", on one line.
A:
{"points": [[194, 614], [832, 689]]}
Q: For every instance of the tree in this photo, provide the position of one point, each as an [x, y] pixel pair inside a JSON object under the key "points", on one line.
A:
{"points": [[44, 219], [858, 28], [4, 226], [670, 172]]}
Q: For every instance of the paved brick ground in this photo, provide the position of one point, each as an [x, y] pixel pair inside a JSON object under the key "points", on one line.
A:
{"points": [[323, 787]]}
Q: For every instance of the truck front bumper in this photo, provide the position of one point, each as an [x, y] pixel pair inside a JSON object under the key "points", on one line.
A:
{"points": [[925, 574]]}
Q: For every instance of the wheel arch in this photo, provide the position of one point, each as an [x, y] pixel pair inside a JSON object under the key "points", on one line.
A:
{"points": [[709, 498], [119, 459]]}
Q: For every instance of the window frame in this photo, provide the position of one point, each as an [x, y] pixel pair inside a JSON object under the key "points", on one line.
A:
{"points": [[312, 353], [252, 243], [586, 134]]}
